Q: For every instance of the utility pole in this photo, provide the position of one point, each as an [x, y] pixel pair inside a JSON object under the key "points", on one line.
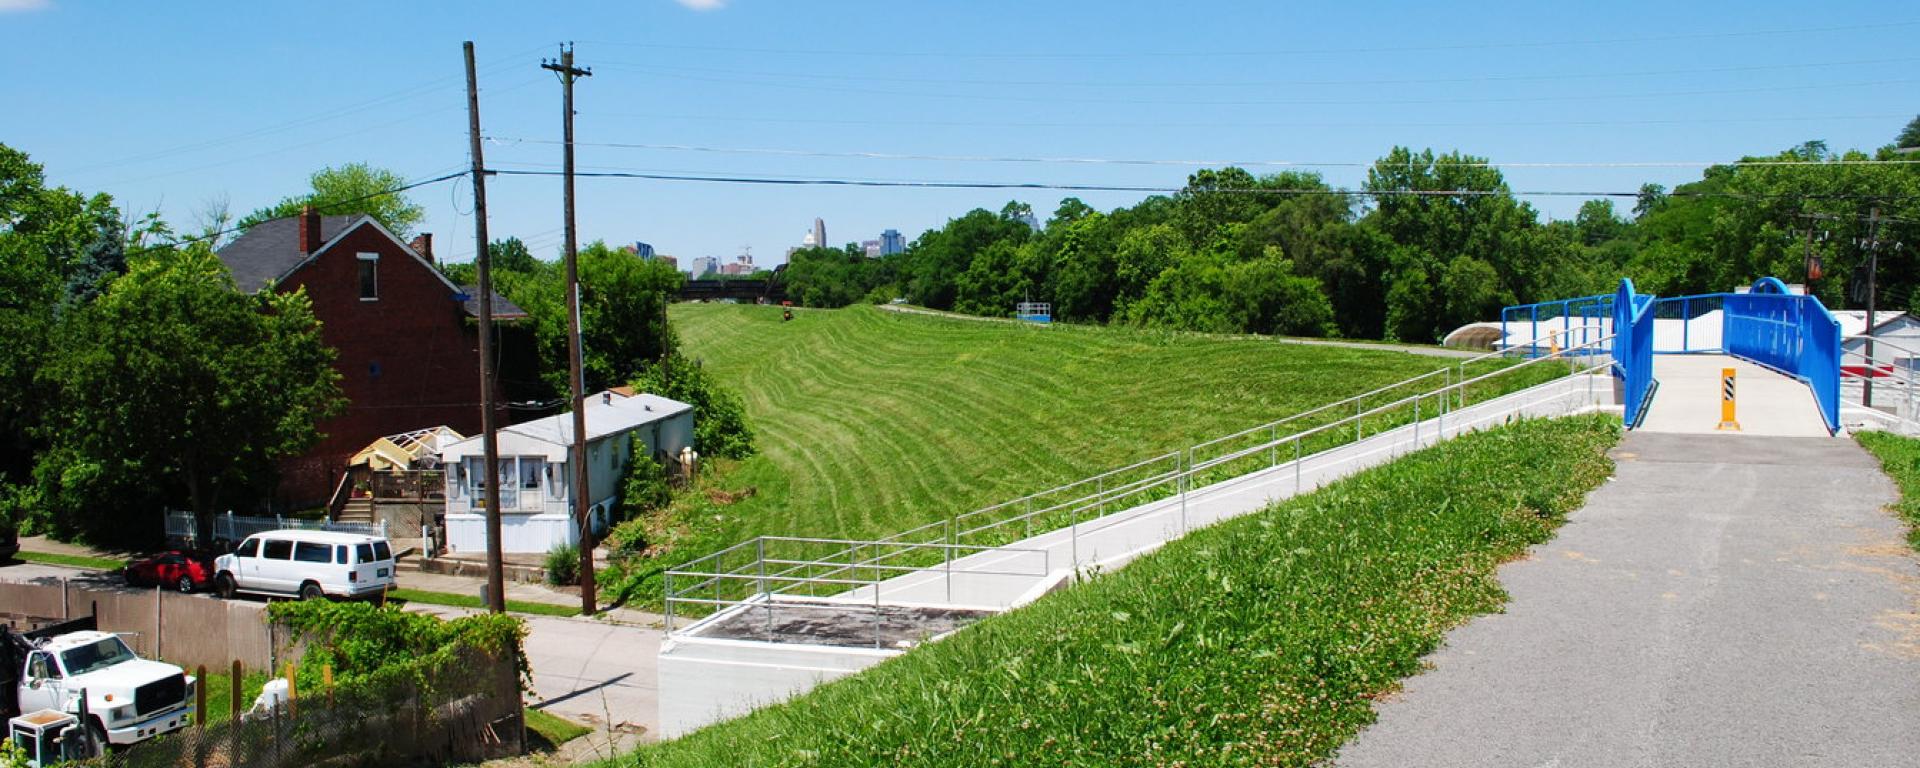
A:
{"points": [[1873, 269], [489, 441], [581, 490]]}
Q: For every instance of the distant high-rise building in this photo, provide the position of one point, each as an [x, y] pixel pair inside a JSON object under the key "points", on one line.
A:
{"points": [[872, 247], [737, 268], [670, 261], [891, 243], [644, 250], [705, 266], [810, 241], [820, 233]]}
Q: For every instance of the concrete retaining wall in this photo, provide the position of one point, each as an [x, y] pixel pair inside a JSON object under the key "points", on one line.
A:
{"points": [[189, 630]]}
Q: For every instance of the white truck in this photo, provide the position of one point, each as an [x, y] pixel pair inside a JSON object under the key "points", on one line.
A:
{"points": [[118, 697]]}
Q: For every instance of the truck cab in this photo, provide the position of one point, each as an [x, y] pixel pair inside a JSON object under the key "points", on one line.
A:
{"points": [[127, 698]]}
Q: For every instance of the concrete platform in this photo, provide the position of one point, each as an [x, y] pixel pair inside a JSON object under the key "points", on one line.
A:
{"points": [[1767, 403]]}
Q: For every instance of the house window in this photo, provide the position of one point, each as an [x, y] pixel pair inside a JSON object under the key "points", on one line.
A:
{"points": [[369, 277]]}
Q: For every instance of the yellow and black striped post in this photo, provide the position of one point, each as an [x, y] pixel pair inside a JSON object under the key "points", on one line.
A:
{"points": [[1727, 422]]}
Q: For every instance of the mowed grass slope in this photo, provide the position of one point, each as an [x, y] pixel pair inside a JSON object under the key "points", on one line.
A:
{"points": [[1900, 458], [1262, 640], [870, 422]]}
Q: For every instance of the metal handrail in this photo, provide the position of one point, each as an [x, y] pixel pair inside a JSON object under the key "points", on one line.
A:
{"points": [[848, 559]]}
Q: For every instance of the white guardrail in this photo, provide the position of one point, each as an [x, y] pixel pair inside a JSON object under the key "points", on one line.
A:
{"points": [[772, 568], [1889, 373]]}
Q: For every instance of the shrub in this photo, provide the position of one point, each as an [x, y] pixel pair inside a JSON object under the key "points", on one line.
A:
{"points": [[719, 416], [366, 644], [627, 539], [563, 565], [643, 488]]}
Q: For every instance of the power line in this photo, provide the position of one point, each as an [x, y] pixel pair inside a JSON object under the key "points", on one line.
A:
{"points": [[1283, 124], [1211, 163], [391, 98], [1070, 187], [894, 54], [1058, 99], [335, 204], [669, 69]]}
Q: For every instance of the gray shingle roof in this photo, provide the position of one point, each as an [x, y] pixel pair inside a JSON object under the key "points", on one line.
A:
{"points": [[267, 250], [502, 308]]}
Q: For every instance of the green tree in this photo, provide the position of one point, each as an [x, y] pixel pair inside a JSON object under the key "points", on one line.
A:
{"points": [[1910, 135], [720, 428], [174, 386], [351, 188], [57, 250]]}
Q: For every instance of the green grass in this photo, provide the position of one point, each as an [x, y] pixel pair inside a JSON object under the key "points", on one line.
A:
{"points": [[219, 687], [555, 730], [1900, 459], [77, 561], [872, 422], [1262, 640], [470, 601]]}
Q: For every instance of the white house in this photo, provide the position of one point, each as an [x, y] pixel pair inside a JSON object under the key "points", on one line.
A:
{"points": [[536, 479]]}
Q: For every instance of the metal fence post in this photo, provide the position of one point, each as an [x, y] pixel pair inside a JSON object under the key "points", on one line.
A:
{"points": [[948, 552], [766, 598], [1296, 465], [666, 589], [1273, 449], [1186, 481], [1029, 518], [1416, 422]]}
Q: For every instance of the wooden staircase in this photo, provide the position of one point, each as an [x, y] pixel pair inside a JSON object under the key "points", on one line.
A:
{"points": [[356, 511]]}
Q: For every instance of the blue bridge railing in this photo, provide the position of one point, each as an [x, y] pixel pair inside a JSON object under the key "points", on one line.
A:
{"points": [[1769, 325], [1790, 333], [1633, 350]]}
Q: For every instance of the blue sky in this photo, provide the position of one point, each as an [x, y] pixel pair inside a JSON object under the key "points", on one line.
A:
{"points": [[168, 106]]}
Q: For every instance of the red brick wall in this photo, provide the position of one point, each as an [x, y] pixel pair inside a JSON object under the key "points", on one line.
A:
{"points": [[408, 360]]}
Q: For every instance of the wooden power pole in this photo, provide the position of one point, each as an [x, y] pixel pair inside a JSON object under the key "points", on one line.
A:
{"points": [[1873, 289], [582, 492], [489, 441]]}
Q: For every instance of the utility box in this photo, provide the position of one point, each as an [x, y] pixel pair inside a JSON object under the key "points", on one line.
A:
{"points": [[48, 738]]}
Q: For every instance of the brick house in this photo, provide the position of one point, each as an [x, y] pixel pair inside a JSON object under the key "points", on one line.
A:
{"points": [[406, 337]]}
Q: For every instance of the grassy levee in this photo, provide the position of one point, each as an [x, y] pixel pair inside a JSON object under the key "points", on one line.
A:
{"points": [[871, 422], [1900, 458], [1258, 641]]}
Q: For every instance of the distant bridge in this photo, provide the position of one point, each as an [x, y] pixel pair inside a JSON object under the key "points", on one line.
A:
{"points": [[741, 290]]}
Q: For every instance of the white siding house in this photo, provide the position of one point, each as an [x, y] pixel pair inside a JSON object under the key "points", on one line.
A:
{"points": [[536, 479]]}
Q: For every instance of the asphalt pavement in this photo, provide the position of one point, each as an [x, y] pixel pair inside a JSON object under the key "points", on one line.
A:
{"points": [[1725, 600]]}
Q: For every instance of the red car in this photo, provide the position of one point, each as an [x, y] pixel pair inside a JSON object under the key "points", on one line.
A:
{"points": [[175, 569]]}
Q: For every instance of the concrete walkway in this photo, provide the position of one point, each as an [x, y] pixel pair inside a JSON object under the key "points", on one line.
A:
{"points": [[1725, 600], [1767, 403]]}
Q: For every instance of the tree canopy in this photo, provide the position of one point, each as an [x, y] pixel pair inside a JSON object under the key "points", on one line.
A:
{"points": [[350, 188]]}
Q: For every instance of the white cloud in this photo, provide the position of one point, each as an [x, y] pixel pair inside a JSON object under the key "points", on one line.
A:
{"points": [[698, 5], [22, 6]]}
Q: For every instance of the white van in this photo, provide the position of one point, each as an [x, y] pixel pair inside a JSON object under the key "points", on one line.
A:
{"points": [[306, 563]]}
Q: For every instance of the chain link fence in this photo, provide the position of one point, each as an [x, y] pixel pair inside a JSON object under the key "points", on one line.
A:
{"points": [[465, 711]]}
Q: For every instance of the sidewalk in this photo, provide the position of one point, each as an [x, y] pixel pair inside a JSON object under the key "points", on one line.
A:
{"points": [[1726, 600]]}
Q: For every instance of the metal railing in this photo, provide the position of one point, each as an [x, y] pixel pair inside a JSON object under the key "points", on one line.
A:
{"points": [[1554, 324], [180, 524], [1889, 369], [769, 573], [1087, 506], [1774, 327], [1698, 333], [1633, 318]]}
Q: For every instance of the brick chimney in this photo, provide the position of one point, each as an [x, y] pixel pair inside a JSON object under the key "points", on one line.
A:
{"points": [[423, 245], [309, 230]]}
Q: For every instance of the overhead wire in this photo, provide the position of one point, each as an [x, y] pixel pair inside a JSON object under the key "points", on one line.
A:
{"points": [[646, 67], [1464, 46], [1061, 99], [868, 155], [1150, 189]]}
